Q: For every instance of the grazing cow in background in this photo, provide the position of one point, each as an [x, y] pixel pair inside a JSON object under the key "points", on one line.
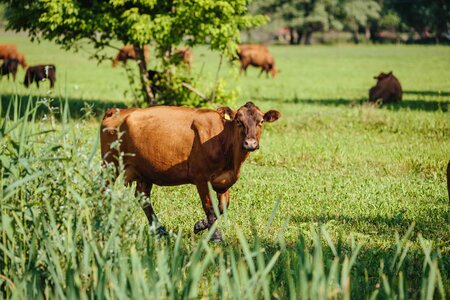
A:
{"points": [[9, 51], [185, 55], [128, 52], [40, 73], [182, 145], [257, 56], [388, 89], [9, 66]]}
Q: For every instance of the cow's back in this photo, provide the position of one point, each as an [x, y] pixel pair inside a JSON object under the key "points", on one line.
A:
{"points": [[164, 141]]}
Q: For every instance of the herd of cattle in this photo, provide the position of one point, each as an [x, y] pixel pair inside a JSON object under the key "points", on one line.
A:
{"points": [[181, 145], [386, 90]]}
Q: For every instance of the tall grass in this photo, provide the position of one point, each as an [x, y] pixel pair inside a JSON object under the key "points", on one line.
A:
{"points": [[66, 234]]}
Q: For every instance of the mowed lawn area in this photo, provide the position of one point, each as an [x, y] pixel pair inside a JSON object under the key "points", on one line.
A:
{"points": [[362, 172]]}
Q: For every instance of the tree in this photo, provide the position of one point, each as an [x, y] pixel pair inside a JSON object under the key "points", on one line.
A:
{"points": [[164, 23], [358, 14], [304, 17], [424, 16]]}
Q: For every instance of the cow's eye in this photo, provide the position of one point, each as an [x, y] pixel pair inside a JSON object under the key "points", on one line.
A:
{"points": [[239, 122]]}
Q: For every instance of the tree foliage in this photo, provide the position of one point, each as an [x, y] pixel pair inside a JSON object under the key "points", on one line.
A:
{"points": [[165, 24], [304, 17]]}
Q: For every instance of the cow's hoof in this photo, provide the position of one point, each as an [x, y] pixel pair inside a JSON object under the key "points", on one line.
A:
{"points": [[161, 231], [200, 226], [216, 237]]}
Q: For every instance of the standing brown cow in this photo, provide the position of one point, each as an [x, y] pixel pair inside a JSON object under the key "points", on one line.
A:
{"points": [[257, 56], [388, 89], [128, 52], [9, 51], [181, 145]]}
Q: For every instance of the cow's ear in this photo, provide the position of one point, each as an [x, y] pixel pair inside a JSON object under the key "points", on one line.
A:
{"points": [[226, 113], [271, 116]]}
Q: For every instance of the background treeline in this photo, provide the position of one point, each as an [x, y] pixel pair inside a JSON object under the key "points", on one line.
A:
{"points": [[328, 21]]}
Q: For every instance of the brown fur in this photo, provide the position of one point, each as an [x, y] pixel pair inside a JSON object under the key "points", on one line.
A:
{"points": [[9, 66], [9, 51], [181, 145], [388, 89], [39, 73], [128, 52], [257, 56]]}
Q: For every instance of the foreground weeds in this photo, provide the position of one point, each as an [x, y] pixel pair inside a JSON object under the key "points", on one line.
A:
{"points": [[66, 234]]}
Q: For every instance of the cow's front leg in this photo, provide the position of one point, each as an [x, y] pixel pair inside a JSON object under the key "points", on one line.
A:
{"points": [[224, 200], [211, 218]]}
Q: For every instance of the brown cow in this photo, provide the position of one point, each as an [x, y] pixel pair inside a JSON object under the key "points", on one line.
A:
{"points": [[258, 56], [388, 89], [127, 52], [181, 145], [9, 66], [9, 51]]}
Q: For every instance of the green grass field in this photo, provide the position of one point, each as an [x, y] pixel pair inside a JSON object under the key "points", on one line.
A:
{"points": [[332, 164]]}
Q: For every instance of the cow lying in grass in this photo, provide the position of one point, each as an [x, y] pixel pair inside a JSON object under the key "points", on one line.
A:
{"points": [[9, 51], [181, 145], [9, 66], [128, 52], [387, 89], [40, 73], [257, 56]]}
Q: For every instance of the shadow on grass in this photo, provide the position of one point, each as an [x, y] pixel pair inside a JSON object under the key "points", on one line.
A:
{"points": [[77, 107], [405, 104], [427, 93]]}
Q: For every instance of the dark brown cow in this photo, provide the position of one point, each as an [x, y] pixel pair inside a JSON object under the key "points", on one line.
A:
{"points": [[128, 52], [257, 56], [388, 89], [181, 145], [40, 73], [9, 66], [9, 51]]}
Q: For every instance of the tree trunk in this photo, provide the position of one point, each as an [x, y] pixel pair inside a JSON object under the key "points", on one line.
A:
{"points": [[308, 36], [299, 36], [291, 36], [367, 33], [355, 37], [143, 75]]}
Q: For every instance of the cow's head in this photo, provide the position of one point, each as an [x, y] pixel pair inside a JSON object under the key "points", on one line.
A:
{"points": [[248, 120]]}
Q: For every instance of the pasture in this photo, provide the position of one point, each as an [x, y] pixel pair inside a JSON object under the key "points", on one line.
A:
{"points": [[334, 178]]}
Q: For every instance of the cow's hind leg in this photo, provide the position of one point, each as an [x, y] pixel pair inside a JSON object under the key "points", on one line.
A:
{"points": [[209, 211], [144, 187]]}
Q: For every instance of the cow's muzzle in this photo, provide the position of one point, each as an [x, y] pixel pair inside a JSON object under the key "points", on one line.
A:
{"points": [[250, 144]]}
